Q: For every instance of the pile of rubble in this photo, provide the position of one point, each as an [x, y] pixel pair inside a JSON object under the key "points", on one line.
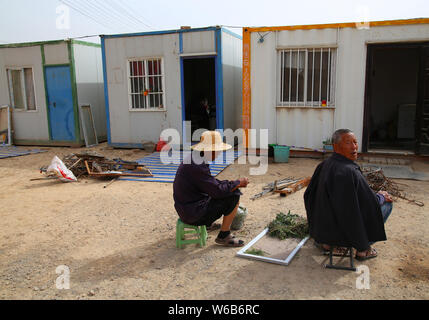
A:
{"points": [[95, 165]]}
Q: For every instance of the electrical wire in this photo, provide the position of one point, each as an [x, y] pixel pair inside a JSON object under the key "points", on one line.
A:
{"points": [[111, 14], [103, 14], [71, 5], [94, 12], [125, 6], [127, 14]]}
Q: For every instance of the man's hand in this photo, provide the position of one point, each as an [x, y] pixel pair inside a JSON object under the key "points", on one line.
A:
{"points": [[243, 182], [386, 195]]}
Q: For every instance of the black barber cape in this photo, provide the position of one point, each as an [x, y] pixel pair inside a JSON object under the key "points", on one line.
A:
{"points": [[341, 208]]}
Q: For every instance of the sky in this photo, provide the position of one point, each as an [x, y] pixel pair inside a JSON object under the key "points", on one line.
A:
{"points": [[31, 20]]}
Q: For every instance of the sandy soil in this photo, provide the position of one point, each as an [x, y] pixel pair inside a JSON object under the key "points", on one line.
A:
{"points": [[119, 242]]}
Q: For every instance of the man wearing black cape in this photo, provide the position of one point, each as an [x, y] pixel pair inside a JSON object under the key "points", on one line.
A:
{"points": [[342, 210]]}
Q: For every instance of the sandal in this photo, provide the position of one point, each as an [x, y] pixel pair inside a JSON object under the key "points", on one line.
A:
{"points": [[368, 254], [214, 226], [230, 241], [337, 251]]}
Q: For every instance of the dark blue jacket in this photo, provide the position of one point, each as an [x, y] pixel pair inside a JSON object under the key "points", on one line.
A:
{"points": [[193, 188]]}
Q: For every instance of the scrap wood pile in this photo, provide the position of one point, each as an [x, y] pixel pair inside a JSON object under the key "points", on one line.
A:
{"points": [[379, 182], [96, 165], [284, 186]]}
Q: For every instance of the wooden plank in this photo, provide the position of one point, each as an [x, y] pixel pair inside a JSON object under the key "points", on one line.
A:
{"points": [[294, 187]]}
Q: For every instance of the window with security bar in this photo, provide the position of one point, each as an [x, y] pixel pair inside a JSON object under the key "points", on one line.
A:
{"points": [[307, 77], [146, 84], [21, 88]]}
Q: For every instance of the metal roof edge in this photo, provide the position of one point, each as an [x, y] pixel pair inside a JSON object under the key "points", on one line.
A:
{"points": [[152, 33], [31, 44], [339, 25], [235, 35], [86, 43]]}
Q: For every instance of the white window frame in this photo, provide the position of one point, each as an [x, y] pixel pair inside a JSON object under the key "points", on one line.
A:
{"points": [[24, 89], [162, 75], [332, 76]]}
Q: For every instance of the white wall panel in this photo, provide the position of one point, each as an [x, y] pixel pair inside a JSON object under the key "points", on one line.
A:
{"points": [[301, 127], [56, 53], [232, 48], [308, 128], [305, 38], [134, 126], [28, 125], [199, 42], [263, 84]]}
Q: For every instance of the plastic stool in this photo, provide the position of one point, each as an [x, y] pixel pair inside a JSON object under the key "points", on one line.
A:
{"points": [[199, 231]]}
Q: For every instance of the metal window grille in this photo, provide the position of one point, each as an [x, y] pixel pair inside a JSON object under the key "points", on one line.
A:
{"points": [[146, 84], [21, 88], [307, 77]]}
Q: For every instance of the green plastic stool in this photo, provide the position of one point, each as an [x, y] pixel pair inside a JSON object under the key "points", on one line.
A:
{"points": [[200, 231]]}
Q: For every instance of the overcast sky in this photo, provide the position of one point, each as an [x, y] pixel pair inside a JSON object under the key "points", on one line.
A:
{"points": [[31, 20]]}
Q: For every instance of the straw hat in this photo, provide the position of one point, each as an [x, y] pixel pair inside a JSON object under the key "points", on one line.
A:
{"points": [[211, 141]]}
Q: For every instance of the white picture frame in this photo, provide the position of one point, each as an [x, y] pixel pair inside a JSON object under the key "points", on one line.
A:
{"points": [[284, 262]]}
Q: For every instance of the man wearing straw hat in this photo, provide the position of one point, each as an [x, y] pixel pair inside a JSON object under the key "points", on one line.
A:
{"points": [[200, 198]]}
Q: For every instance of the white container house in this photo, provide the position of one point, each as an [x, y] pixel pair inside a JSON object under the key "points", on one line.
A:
{"points": [[304, 82], [46, 83], [156, 80]]}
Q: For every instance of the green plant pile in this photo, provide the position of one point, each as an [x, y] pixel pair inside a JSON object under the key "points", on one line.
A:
{"points": [[255, 252], [288, 226]]}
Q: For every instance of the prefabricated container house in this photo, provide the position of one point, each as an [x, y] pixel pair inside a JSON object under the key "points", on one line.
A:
{"points": [[157, 80], [46, 84], [303, 82]]}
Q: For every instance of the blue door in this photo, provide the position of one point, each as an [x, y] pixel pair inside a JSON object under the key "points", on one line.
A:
{"points": [[60, 103]]}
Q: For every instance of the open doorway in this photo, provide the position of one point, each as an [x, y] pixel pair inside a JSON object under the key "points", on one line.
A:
{"points": [[396, 115], [200, 92], [393, 91]]}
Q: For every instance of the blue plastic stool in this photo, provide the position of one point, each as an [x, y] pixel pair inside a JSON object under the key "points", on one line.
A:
{"points": [[199, 231]]}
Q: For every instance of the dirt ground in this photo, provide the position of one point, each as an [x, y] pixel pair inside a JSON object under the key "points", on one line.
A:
{"points": [[119, 242]]}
